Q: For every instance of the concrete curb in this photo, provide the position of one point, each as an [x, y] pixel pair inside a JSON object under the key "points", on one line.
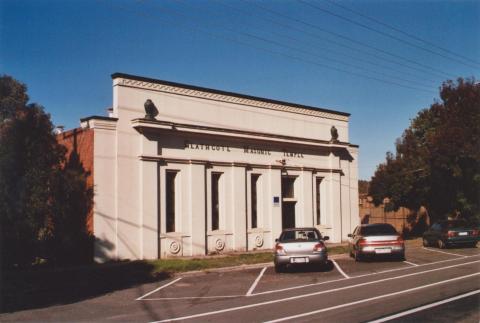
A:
{"points": [[243, 267]]}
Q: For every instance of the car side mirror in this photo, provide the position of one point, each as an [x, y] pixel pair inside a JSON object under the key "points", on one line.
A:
{"points": [[350, 235], [326, 238]]}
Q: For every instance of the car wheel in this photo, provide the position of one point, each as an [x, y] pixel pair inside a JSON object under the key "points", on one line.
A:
{"points": [[279, 268], [473, 245], [425, 243], [322, 266], [401, 257], [441, 244], [358, 257], [351, 254]]}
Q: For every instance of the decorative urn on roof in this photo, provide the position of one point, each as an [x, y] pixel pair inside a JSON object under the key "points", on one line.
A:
{"points": [[334, 134], [151, 110]]}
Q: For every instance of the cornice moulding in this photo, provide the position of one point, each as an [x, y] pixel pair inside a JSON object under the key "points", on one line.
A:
{"points": [[99, 123], [204, 94], [144, 125]]}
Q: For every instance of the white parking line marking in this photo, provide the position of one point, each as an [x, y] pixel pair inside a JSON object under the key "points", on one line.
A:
{"points": [[410, 263], [297, 287], [372, 299], [231, 309], [159, 288], [250, 291], [447, 253], [190, 297], [340, 269], [359, 276], [421, 308]]}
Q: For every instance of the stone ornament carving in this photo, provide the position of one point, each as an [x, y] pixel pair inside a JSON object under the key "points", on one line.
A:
{"points": [[258, 241], [151, 110], [228, 98], [334, 134], [175, 247], [219, 244]]}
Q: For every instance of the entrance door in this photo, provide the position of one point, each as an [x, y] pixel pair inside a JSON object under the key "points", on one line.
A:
{"points": [[288, 215], [288, 202]]}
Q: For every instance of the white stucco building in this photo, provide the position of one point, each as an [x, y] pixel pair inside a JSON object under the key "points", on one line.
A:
{"points": [[215, 171]]}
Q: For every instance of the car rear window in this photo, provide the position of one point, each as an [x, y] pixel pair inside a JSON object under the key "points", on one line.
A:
{"points": [[299, 235], [377, 230]]}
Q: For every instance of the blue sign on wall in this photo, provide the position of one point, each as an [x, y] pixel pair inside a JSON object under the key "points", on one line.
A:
{"points": [[276, 201]]}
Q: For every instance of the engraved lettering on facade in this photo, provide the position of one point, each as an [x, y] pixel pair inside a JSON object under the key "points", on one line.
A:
{"points": [[250, 150], [188, 145], [291, 154], [246, 149]]}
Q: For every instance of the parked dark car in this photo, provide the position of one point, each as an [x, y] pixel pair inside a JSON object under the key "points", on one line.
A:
{"points": [[451, 232], [376, 239], [300, 246]]}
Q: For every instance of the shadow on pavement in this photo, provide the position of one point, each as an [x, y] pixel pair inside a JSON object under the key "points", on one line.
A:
{"points": [[309, 268], [382, 258], [35, 288]]}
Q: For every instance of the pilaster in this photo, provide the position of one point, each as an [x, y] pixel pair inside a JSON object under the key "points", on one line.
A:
{"points": [[149, 178], [335, 207], [275, 210], [198, 209], [238, 210], [307, 214]]}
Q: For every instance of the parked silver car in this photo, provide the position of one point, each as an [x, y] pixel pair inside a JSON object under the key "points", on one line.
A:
{"points": [[300, 246], [375, 239]]}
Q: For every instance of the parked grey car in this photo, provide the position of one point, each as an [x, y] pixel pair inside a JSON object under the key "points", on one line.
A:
{"points": [[451, 233], [375, 239], [300, 246]]}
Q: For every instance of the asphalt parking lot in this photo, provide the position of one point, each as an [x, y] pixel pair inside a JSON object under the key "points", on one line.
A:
{"points": [[239, 283], [346, 291]]}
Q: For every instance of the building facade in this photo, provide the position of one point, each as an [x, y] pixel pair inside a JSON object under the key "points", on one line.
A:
{"points": [[183, 171]]}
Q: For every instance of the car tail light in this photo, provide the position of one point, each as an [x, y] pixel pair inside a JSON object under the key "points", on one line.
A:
{"points": [[319, 247], [452, 234], [362, 242], [476, 232], [279, 249]]}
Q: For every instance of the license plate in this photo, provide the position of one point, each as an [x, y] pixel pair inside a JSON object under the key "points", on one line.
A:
{"points": [[463, 233], [299, 260], [383, 250]]}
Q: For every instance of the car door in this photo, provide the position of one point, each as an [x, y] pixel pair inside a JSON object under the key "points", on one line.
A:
{"points": [[434, 233], [427, 235]]}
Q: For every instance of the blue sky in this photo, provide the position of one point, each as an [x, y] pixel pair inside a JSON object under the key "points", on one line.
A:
{"points": [[65, 51]]}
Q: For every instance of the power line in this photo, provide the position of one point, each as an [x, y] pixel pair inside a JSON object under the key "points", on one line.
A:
{"points": [[319, 56], [316, 38], [383, 33], [401, 31], [347, 38], [300, 59], [307, 52]]}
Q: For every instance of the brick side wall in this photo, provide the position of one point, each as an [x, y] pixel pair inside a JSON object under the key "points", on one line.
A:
{"points": [[80, 141]]}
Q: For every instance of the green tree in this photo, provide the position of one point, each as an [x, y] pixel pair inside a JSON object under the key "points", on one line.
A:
{"points": [[363, 186], [44, 199], [437, 159], [13, 96], [29, 159]]}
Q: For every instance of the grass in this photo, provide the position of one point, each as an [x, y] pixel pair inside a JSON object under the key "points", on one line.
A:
{"points": [[184, 265]]}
